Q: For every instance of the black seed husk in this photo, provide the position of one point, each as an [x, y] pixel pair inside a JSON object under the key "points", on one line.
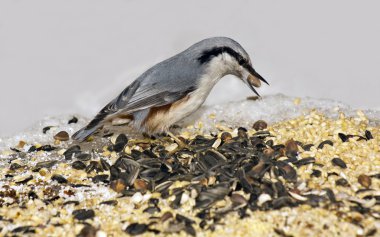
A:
{"points": [[152, 210], [71, 151], [73, 120], [78, 165], [120, 143], [109, 202], [341, 182], [100, 178], [368, 135], [44, 164], [326, 142], [83, 214], [343, 137], [316, 173], [25, 180], [339, 162], [136, 229], [59, 178], [83, 156]]}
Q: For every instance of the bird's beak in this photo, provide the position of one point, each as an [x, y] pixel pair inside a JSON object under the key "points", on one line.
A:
{"points": [[253, 79]]}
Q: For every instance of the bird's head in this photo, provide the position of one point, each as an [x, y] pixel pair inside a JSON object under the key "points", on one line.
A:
{"points": [[222, 56]]}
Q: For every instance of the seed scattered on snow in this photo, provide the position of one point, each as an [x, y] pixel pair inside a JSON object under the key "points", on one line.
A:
{"points": [[62, 136]]}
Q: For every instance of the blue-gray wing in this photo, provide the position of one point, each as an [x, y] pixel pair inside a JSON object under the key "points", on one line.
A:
{"points": [[163, 84], [158, 87]]}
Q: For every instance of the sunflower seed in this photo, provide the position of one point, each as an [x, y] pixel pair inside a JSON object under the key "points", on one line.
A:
{"points": [[62, 136], [326, 142], [45, 164], [226, 136], [339, 162], [136, 229], [87, 231], [316, 173], [368, 135], [83, 214], [100, 178], [78, 165], [365, 180], [260, 125], [71, 151], [83, 156], [59, 178], [304, 161], [23, 179], [343, 137], [120, 143], [45, 129], [109, 202], [24, 229], [152, 210], [342, 182], [73, 120]]}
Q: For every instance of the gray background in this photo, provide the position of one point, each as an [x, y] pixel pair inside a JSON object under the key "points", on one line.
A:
{"points": [[73, 56]]}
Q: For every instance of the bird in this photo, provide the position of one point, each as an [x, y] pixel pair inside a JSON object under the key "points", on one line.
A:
{"points": [[175, 88]]}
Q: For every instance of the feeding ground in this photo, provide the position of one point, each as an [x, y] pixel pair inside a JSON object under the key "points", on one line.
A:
{"points": [[278, 166]]}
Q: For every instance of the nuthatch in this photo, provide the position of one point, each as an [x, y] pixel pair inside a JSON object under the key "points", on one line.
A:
{"points": [[173, 89]]}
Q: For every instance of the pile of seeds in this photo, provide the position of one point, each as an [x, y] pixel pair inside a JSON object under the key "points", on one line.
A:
{"points": [[305, 176]]}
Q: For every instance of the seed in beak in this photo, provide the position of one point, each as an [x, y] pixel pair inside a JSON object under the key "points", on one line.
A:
{"points": [[253, 81]]}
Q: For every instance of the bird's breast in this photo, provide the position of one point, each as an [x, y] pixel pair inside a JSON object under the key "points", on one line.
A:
{"points": [[161, 118]]}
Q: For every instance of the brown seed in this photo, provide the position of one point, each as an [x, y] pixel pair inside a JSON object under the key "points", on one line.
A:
{"points": [[166, 216], [268, 152], [118, 185], [242, 133], [226, 136], [288, 172], [182, 139], [62, 136], [260, 125], [291, 148], [253, 97], [254, 81], [365, 180], [140, 184], [21, 144], [238, 199], [87, 231]]}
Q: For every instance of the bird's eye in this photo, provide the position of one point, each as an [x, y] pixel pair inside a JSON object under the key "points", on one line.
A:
{"points": [[242, 61]]}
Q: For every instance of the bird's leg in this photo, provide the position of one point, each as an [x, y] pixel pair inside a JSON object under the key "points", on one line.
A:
{"points": [[180, 143]]}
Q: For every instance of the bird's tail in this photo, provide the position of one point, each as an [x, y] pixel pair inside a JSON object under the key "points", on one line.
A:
{"points": [[92, 127]]}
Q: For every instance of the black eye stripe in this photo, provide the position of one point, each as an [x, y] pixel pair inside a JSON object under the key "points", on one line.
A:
{"points": [[214, 52]]}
